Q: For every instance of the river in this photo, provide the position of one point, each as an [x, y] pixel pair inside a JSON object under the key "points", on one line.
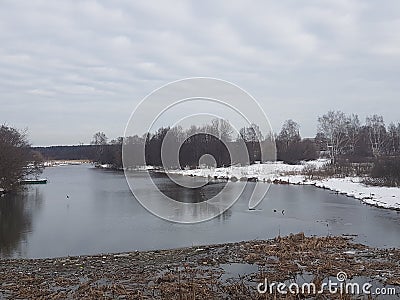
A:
{"points": [[84, 210]]}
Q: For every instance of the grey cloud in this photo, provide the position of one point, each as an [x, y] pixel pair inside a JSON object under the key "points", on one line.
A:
{"points": [[68, 69]]}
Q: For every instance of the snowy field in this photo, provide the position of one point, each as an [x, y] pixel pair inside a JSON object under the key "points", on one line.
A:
{"points": [[351, 186]]}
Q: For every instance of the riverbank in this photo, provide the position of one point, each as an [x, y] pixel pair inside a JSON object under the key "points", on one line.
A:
{"points": [[208, 272], [277, 172], [385, 197]]}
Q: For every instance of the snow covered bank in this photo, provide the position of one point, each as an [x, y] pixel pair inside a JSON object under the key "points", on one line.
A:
{"points": [[387, 197], [282, 173], [260, 171], [61, 163]]}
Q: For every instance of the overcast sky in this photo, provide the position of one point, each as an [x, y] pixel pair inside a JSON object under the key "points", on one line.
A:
{"points": [[71, 68]]}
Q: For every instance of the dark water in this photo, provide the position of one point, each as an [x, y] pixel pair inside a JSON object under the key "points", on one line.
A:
{"points": [[101, 215]]}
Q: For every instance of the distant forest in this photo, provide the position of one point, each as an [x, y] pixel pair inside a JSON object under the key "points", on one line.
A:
{"points": [[339, 136]]}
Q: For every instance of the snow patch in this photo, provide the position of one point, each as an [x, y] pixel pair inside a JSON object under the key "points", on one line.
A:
{"points": [[387, 197]]}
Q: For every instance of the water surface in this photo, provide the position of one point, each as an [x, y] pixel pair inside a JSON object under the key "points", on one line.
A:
{"points": [[101, 215]]}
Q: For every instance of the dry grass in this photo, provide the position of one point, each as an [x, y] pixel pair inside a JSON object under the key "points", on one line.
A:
{"points": [[196, 272]]}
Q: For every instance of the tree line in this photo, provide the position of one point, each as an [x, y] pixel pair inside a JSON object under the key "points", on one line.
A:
{"points": [[346, 140], [341, 137], [215, 139]]}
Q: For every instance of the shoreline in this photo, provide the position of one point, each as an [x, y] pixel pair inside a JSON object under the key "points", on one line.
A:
{"points": [[279, 173], [363, 197], [210, 271]]}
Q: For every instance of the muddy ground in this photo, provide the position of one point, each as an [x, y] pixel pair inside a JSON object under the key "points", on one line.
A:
{"points": [[225, 271]]}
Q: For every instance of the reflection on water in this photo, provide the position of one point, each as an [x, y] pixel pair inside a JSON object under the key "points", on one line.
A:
{"points": [[195, 199], [16, 212], [193, 195], [100, 215]]}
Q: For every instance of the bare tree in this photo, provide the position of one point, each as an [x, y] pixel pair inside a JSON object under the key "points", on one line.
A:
{"points": [[333, 127], [251, 134], [376, 133], [16, 158], [290, 133], [353, 132], [102, 154], [99, 138], [221, 129], [393, 145], [290, 147], [253, 138]]}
